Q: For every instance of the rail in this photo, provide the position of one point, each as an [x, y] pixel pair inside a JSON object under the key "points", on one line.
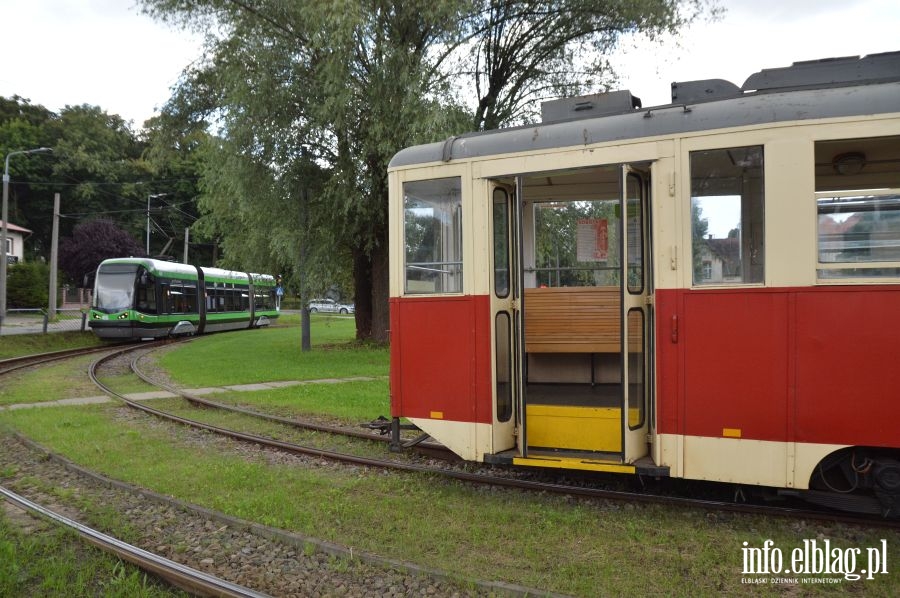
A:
{"points": [[176, 573]]}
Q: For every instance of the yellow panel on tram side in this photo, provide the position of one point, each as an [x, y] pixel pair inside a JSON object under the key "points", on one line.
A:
{"points": [[574, 428], [574, 463]]}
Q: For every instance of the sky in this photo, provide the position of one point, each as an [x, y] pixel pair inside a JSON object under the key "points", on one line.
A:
{"points": [[106, 53]]}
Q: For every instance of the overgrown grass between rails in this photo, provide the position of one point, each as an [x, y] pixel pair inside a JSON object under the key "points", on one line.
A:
{"points": [[352, 402], [56, 563], [581, 547], [62, 380], [274, 354], [277, 431], [16, 345]]}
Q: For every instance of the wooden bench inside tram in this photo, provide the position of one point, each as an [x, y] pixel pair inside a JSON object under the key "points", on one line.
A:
{"points": [[572, 320], [574, 367]]}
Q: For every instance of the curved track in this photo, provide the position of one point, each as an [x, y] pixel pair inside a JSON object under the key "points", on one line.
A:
{"points": [[191, 580], [25, 361], [480, 478]]}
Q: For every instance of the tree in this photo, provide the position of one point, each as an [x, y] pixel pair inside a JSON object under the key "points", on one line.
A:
{"points": [[335, 90], [99, 166], [91, 243], [312, 102], [528, 50], [27, 285], [24, 126]]}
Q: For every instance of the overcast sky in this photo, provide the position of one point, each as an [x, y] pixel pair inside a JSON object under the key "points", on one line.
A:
{"points": [[106, 53]]}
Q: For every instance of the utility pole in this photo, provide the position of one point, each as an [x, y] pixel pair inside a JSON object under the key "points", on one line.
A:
{"points": [[54, 253], [187, 236], [149, 197], [4, 217], [305, 336]]}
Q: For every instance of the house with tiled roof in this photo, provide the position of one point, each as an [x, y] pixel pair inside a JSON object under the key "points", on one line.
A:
{"points": [[721, 260], [15, 242]]}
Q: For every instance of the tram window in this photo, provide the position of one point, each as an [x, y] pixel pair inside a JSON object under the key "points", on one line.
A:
{"points": [[727, 215], [504, 367], [230, 304], [858, 207], [146, 294], [432, 219], [183, 297], [210, 297], [115, 287], [501, 243], [636, 369], [576, 243], [263, 299], [635, 222]]}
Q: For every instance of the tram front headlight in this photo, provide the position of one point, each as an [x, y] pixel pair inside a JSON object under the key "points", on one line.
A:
{"points": [[123, 316]]}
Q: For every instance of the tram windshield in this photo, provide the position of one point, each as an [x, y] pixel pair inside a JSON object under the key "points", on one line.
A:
{"points": [[115, 287]]}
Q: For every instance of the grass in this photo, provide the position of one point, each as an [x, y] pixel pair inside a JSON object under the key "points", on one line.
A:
{"points": [[15, 345], [561, 544], [274, 354], [356, 401], [56, 563], [63, 380]]}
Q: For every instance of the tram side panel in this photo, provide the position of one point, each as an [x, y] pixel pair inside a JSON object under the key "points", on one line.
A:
{"points": [[759, 385], [441, 369], [848, 381]]}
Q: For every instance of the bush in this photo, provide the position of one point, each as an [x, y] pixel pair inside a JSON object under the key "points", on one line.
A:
{"points": [[27, 285]]}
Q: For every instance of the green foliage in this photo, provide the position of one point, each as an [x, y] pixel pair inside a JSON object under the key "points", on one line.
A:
{"points": [[27, 285], [526, 51], [91, 243], [312, 100], [699, 230], [99, 166]]}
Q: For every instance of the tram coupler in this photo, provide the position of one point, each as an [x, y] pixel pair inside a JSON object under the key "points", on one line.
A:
{"points": [[386, 426]]}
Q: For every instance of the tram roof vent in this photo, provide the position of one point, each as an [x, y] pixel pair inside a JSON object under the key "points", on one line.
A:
{"points": [[589, 106], [811, 74]]}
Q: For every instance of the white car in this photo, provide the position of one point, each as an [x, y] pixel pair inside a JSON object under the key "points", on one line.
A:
{"points": [[330, 306]]}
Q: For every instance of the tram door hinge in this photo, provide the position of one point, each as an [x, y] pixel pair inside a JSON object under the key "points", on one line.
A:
{"points": [[672, 184], [648, 300], [674, 261], [516, 304]]}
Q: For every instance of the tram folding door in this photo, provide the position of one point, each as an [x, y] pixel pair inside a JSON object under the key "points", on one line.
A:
{"points": [[507, 321], [636, 313], [586, 315]]}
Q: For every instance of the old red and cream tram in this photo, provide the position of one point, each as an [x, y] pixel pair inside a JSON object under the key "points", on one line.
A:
{"points": [[708, 289]]}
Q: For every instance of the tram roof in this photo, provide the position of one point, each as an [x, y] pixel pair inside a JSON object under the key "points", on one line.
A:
{"points": [[187, 270], [829, 88]]}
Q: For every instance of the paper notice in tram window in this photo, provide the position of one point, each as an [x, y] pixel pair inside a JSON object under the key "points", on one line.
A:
{"points": [[593, 240]]}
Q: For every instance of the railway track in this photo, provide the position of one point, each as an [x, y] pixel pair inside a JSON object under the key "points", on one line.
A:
{"points": [[17, 363], [428, 448], [181, 576], [482, 477]]}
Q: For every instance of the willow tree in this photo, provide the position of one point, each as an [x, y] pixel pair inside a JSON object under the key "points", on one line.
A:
{"points": [[312, 98]]}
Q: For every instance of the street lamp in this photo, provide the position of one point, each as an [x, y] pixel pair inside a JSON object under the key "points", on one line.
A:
{"points": [[149, 197], [4, 217]]}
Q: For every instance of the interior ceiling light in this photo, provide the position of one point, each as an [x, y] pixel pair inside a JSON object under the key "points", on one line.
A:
{"points": [[849, 163]]}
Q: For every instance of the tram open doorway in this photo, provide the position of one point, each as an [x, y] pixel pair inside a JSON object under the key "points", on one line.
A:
{"points": [[585, 281]]}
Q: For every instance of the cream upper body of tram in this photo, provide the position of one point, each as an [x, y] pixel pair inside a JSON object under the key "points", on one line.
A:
{"points": [[708, 289]]}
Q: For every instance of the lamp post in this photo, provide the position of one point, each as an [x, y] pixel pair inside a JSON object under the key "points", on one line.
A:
{"points": [[4, 216], [149, 197]]}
